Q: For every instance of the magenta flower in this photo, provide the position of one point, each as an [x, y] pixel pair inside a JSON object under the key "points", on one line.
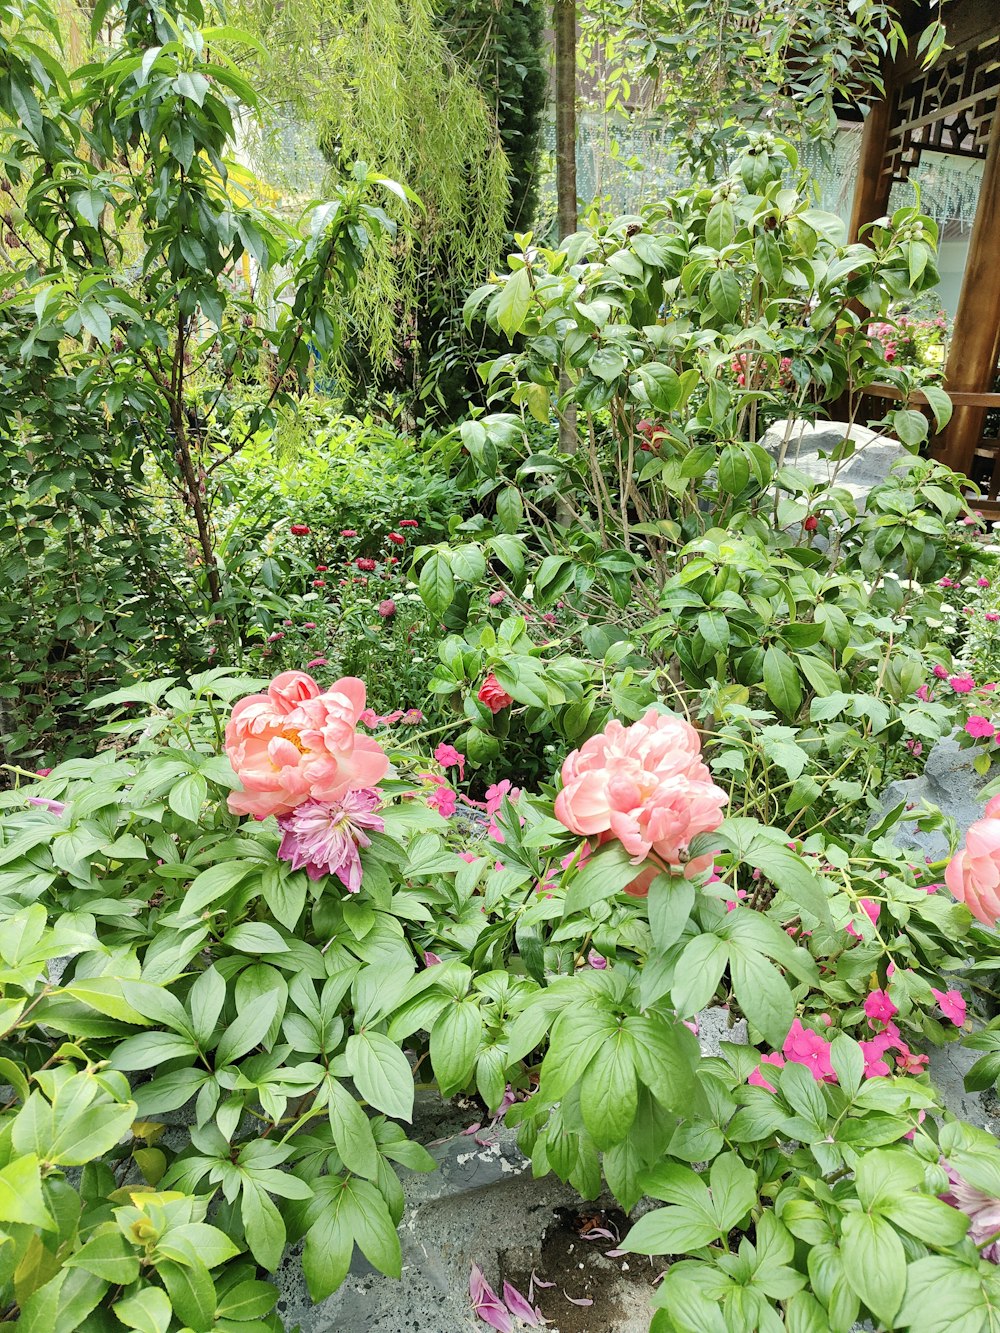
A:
{"points": [[962, 684], [496, 793], [982, 583], [596, 960], [325, 837], [916, 748], [946, 583], [756, 1077], [495, 598], [980, 727], [879, 1008], [952, 1005], [923, 693], [912, 1063], [443, 799], [940, 671], [875, 1065], [320, 661], [430, 959], [871, 910], [992, 616], [805, 1047], [448, 757]]}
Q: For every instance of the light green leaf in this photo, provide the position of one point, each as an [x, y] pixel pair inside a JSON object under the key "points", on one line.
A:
{"points": [[382, 1073]]}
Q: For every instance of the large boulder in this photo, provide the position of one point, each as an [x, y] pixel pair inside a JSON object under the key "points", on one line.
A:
{"points": [[811, 446]]}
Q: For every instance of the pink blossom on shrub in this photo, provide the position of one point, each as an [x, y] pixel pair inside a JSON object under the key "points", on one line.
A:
{"points": [[973, 873], [443, 799], [646, 786], [324, 836], [952, 1005], [296, 743], [493, 695], [962, 684], [876, 1066], [804, 1047], [448, 757], [878, 1007], [980, 727], [940, 671], [756, 1076], [871, 910]]}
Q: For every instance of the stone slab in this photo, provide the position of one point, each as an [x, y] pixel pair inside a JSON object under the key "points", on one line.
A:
{"points": [[809, 446]]}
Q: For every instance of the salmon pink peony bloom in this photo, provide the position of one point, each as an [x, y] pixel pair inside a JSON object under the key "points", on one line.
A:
{"points": [[973, 874], [645, 785], [295, 743]]}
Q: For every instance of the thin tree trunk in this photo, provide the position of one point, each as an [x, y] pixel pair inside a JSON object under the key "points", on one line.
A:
{"points": [[564, 24]]}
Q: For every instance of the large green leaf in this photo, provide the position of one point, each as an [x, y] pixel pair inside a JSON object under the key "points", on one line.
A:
{"points": [[454, 1041], [382, 1073], [608, 1092], [875, 1263]]}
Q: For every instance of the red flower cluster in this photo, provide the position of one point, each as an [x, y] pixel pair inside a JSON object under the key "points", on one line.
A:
{"points": [[364, 563], [300, 529]]}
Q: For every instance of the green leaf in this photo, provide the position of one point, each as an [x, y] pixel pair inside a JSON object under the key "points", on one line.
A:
{"points": [[940, 403], [214, 883], [910, 426], [698, 973], [265, 1230], [187, 797], [724, 293], [662, 385], [875, 1263], [148, 1310], [669, 904], [107, 1256], [191, 1292], [667, 1056], [514, 302], [733, 1188], [352, 1132], [247, 1030], [781, 681], [255, 937], [437, 583], [21, 1194], [510, 509], [609, 1093], [454, 1042], [577, 1036], [382, 1073], [606, 873], [762, 992]]}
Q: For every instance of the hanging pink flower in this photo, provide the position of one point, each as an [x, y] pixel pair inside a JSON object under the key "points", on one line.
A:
{"points": [[952, 1005], [644, 785], [493, 695], [973, 874], [296, 743], [980, 727], [324, 837]]}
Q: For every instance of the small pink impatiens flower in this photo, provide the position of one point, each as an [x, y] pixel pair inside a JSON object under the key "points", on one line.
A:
{"points": [[805, 1047], [878, 1007], [448, 757], [952, 1005], [324, 837]]}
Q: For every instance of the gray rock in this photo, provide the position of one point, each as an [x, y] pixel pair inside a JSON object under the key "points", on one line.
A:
{"points": [[949, 782], [809, 446], [715, 1026]]}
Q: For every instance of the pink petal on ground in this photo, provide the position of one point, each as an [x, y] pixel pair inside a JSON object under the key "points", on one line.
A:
{"points": [[520, 1307], [577, 1300], [487, 1304]]}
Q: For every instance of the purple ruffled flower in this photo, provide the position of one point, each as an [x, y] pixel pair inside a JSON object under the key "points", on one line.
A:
{"points": [[325, 836], [982, 1210]]}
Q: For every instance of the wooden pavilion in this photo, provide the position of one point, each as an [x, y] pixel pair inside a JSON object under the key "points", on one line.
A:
{"points": [[949, 108]]}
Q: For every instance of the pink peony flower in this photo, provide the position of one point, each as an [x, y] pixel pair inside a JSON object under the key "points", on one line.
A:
{"points": [[324, 836], [940, 671], [962, 684], [973, 874], [878, 1007], [448, 757], [646, 786], [387, 609], [980, 727], [296, 743], [952, 1005], [923, 693], [493, 695], [982, 1210], [756, 1077], [804, 1047]]}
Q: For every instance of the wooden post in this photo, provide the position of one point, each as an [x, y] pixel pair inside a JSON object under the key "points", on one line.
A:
{"points": [[972, 359], [871, 192]]}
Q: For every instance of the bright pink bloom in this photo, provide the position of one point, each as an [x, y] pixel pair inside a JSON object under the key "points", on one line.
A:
{"points": [[443, 799], [940, 671], [757, 1079], [493, 695], [988, 689], [448, 757], [804, 1047], [912, 1063], [397, 539], [878, 1007], [916, 748], [324, 836], [387, 609], [408, 523], [596, 960], [875, 1065], [992, 616], [42, 772], [467, 857], [952, 1005], [980, 727], [496, 793], [348, 532], [923, 692], [962, 684], [318, 661], [982, 583], [365, 564], [273, 638], [946, 583], [44, 803], [296, 743], [495, 598], [973, 874], [646, 786], [300, 530]]}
